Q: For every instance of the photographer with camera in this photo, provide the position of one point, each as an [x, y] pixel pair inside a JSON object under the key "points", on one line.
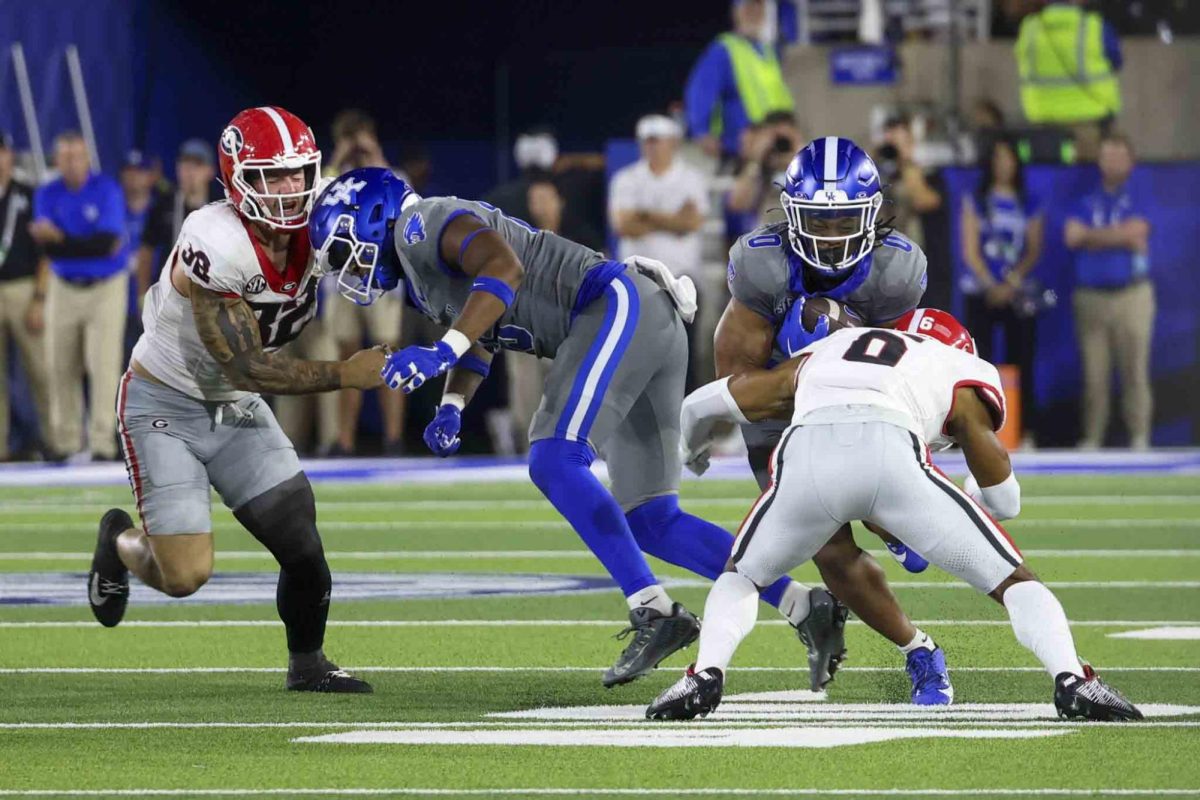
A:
{"points": [[766, 149], [912, 191], [1001, 244]]}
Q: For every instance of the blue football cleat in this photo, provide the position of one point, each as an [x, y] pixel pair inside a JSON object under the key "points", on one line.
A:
{"points": [[909, 559], [930, 678]]}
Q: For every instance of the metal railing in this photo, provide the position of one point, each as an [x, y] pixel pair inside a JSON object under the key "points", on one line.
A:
{"points": [[29, 114]]}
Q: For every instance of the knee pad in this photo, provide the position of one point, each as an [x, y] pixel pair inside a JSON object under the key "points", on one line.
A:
{"points": [[284, 519], [548, 457]]}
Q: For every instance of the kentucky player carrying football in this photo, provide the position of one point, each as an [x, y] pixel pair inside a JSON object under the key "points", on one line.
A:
{"points": [[239, 284], [832, 253], [866, 406], [615, 332]]}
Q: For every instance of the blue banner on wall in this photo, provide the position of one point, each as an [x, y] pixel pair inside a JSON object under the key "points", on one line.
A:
{"points": [[862, 66], [1173, 209]]}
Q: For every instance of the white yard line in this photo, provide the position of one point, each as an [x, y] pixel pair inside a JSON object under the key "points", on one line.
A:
{"points": [[488, 555], [607, 792], [454, 669], [544, 623]]}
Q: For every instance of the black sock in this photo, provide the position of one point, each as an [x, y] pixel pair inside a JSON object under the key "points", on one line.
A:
{"points": [[302, 598]]}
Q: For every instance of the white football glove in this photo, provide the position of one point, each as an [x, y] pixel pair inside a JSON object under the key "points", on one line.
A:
{"points": [[681, 289], [702, 410]]}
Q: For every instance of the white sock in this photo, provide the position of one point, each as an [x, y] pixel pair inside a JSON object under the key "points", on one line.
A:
{"points": [[655, 597], [729, 614], [920, 639], [1041, 626], [794, 605]]}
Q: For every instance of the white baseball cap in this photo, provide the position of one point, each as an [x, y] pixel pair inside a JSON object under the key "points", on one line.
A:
{"points": [[658, 126]]}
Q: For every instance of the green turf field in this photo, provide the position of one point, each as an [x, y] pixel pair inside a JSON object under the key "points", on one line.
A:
{"points": [[188, 696]]}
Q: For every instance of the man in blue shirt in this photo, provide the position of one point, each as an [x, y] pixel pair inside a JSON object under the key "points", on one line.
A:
{"points": [[79, 222], [735, 83], [1114, 297]]}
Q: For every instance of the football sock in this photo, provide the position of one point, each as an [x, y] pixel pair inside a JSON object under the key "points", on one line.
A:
{"points": [[1041, 626], [560, 469], [794, 604], [729, 614], [664, 530], [920, 639], [655, 597]]}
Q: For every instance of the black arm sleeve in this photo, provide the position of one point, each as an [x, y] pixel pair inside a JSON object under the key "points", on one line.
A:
{"points": [[97, 244]]}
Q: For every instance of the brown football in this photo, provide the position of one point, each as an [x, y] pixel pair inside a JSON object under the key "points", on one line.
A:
{"points": [[839, 315]]}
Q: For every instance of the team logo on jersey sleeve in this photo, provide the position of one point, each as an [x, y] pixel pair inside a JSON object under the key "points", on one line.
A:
{"points": [[414, 229], [232, 140], [256, 285]]}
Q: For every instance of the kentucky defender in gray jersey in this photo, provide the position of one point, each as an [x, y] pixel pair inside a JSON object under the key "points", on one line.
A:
{"points": [[615, 333], [830, 246]]}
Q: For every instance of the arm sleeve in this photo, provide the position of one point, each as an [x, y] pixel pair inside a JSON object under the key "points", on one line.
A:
{"points": [[703, 89]]}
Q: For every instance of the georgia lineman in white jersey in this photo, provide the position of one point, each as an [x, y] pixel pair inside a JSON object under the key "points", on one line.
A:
{"points": [[867, 404], [216, 250]]}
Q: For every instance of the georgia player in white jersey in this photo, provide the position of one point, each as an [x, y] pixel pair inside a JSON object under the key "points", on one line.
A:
{"points": [[239, 283], [866, 405]]}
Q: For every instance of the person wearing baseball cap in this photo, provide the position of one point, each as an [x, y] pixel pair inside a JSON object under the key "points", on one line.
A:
{"points": [[23, 280]]}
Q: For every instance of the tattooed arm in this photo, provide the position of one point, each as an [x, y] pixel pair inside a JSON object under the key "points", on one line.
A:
{"points": [[229, 330]]}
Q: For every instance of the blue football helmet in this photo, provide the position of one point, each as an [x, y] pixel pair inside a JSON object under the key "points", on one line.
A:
{"points": [[350, 228], [832, 197]]}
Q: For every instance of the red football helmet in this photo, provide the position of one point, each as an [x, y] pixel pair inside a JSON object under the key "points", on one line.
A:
{"points": [[938, 324], [261, 141]]}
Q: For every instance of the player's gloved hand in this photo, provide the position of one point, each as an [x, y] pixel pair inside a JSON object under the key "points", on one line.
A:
{"points": [[410, 368], [441, 435], [681, 289], [388, 274], [792, 336]]}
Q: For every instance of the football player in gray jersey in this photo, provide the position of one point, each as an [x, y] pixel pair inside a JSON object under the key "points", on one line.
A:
{"points": [[831, 245], [615, 332]]}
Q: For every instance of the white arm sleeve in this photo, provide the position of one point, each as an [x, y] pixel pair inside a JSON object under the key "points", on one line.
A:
{"points": [[1002, 501], [702, 409]]}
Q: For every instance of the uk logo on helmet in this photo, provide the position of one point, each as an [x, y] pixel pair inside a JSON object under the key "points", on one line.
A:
{"points": [[343, 192], [232, 140]]}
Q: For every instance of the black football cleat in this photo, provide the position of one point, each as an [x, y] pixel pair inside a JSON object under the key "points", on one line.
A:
{"points": [[327, 677], [655, 637], [1091, 698], [108, 580], [696, 694], [823, 633]]}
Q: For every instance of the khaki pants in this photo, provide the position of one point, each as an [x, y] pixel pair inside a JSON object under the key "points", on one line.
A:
{"points": [[85, 333], [295, 412], [1116, 325], [14, 299]]}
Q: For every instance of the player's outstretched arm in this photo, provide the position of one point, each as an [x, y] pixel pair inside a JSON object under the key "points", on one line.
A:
{"points": [[972, 425], [229, 330], [481, 253]]}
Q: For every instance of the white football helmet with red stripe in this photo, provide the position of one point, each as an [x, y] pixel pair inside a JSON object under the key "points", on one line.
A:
{"points": [[261, 141], [940, 325]]}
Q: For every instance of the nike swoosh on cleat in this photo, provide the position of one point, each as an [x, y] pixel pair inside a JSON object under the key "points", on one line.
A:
{"points": [[94, 591]]}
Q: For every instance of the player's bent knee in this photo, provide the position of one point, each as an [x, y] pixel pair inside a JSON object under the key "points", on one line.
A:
{"points": [[549, 457], [284, 520], [184, 580], [1020, 575]]}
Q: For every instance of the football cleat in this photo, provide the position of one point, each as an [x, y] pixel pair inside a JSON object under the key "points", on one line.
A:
{"points": [[1091, 698], [108, 580], [911, 560], [655, 636], [823, 633], [696, 694], [930, 678], [327, 677]]}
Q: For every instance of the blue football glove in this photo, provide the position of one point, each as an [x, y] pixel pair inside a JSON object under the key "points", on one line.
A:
{"points": [[388, 274], [441, 435], [410, 368], [792, 337]]}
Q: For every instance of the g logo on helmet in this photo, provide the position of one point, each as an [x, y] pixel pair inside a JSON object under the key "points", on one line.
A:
{"points": [[232, 140]]}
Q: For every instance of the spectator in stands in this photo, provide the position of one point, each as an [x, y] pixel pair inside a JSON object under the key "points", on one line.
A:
{"points": [[1067, 60], [535, 152], [736, 83], [194, 174], [1114, 297], [23, 279], [766, 150], [657, 207], [1001, 245], [344, 326], [912, 191], [79, 221], [137, 184]]}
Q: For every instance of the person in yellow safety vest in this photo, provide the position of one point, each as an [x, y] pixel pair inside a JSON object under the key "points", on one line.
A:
{"points": [[735, 83], [1068, 60]]}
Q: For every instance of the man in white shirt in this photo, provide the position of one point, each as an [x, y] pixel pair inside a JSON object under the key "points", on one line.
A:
{"points": [[657, 205]]}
